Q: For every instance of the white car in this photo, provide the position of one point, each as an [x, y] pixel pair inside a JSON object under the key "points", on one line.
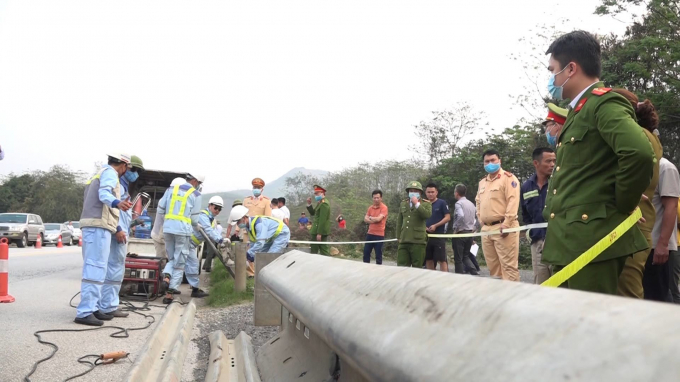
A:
{"points": [[77, 233]]}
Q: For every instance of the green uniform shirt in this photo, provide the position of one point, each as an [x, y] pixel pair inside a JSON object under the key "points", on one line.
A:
{"points": [[604, 164], [411, 222], [322, 218]]}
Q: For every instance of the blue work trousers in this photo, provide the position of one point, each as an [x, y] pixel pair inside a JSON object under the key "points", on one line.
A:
{"points": [[96, 249], [368, 248], [114, 276], [177, 247], [192, 264]]}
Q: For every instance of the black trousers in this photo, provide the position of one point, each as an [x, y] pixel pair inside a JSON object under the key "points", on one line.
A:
{"points": [[461, 249], [656, 281]]}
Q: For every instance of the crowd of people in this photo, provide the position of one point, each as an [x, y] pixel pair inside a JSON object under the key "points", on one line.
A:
{"points": [[604, 161]]}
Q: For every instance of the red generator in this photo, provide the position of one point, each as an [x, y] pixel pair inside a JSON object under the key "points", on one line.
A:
{"points": [[143, 276]]}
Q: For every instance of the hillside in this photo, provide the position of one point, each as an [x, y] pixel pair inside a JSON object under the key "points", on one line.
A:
{"points": [[272, 189]]}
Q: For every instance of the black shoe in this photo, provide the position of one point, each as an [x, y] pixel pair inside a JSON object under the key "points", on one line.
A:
{"points": [[167, 300], [90, 320], [166, 284], [198, 293], [174, 291], [103, 316], [118, 313]]}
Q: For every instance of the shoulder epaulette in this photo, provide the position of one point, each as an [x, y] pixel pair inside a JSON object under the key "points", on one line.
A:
{"points": [[264, 197], [508, 173], [426, 201], [601, 91]]}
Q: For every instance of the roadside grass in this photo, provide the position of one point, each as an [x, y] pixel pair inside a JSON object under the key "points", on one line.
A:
{"points": [[222, 289]]}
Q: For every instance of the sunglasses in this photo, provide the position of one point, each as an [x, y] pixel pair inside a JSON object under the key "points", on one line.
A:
{"points": [[135, 169], [218, 208]]}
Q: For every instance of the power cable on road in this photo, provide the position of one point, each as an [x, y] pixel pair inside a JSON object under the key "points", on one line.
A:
{"points": [[121, 332]]}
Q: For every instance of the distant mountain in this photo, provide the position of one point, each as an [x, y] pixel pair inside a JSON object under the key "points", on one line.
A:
{"points": [[272, 189]]}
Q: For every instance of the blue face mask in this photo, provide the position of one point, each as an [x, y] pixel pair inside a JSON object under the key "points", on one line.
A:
{"points": [[556, 91], [242, 225], [318, 198], [257, 191], [492, 167], [412, 194], [552, 139], [131, 176]]}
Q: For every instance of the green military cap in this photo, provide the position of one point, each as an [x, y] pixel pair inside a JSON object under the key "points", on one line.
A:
{"points": [[414, 185], [237, 202], [136, 161], [556, 113]]}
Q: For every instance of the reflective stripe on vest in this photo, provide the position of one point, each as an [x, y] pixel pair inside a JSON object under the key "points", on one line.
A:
{"points": [[212, 224], [183, 200], [252, 228]]}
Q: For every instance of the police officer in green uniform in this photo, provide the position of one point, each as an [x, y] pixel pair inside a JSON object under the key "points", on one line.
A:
{"points": [[604, 164], [411, 227], [321, 226]]}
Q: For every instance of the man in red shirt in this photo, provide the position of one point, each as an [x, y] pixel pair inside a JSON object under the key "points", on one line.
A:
{"points": [[376, 217]]}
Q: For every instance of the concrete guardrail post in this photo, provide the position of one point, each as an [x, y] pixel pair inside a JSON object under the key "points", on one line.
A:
{"points": [[240, 267]]}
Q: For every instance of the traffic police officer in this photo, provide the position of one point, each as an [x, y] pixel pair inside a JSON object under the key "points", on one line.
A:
{"points": [[553, 122], [267, 234], [101, 209], [258, 204], [604, 164], [321, 226], [411, 227], [497, 205], [116, 266], [206, 220]]}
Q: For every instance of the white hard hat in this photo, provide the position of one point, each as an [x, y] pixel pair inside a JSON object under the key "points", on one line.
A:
{"points": [[125, 158], [216, 200], [200, 178], [178, 182], [237, 212]]}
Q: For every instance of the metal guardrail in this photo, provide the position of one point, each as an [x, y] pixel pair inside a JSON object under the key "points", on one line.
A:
{"points": [[348, 321]]}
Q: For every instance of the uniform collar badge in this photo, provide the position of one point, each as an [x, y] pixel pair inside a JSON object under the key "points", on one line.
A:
{"points": [[580, 105]]}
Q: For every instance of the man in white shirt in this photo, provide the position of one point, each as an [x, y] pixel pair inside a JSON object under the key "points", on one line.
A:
{"points": [[276, 212], [657, 278], [286, 211]]}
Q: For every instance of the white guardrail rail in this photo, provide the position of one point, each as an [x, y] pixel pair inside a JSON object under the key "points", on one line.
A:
{"points": [[348, 321]]}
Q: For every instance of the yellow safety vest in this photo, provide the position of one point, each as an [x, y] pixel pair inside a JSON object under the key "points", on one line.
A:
{"points": [[181, 199], [252, 228], [194, 238]]}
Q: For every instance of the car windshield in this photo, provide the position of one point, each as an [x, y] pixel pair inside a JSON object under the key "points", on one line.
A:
{"points": [[74, 224], [52, 227], [13, 218]]}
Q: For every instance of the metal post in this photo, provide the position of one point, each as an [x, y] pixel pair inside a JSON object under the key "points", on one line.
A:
{"points": [[240, 268]]}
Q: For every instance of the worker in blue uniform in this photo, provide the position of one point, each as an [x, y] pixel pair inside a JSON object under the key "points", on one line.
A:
{"points": [[206, 220], [116, 266], [99, 219], [267, 234], [181, 206]]}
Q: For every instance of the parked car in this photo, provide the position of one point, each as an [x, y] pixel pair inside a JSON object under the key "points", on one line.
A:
{"points": [[76, 231], [23, 229], [53, 231]]}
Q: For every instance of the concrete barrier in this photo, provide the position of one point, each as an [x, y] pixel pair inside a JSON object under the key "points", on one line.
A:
{"points": [[266, 309], [231, 360], [405, 324], [162, 357]]}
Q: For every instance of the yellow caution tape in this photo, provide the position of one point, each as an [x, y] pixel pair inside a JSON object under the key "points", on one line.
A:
{"points": [[586, 257]]}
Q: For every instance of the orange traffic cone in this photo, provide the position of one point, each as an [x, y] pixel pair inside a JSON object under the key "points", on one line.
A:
{"points": [[59, 243], [38, 243], [4, 271], [80, 241]]}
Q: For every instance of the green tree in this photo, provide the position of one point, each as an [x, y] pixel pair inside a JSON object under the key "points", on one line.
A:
{"points": [[646, 60]]}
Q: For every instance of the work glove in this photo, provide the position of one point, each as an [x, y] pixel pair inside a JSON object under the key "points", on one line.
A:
{"points": [[528, 236]]}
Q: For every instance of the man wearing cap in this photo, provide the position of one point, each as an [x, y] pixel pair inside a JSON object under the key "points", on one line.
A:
{"points": [[99, 219], [258, 204], [497, 205], [321, 226], [116, 265], [553, 123], [412, 226]]}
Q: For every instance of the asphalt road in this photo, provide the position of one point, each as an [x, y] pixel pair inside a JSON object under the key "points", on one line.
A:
{"points": [[42, 282]]}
